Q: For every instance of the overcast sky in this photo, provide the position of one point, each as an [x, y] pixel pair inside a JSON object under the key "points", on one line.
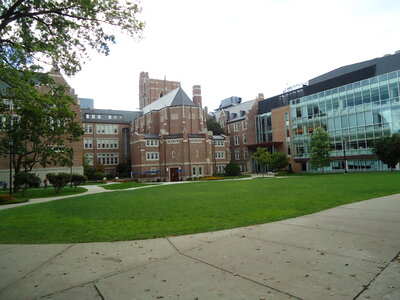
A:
{"points": [[239, 48]]}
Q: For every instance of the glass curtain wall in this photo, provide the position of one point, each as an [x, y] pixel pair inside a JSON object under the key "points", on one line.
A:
{"points": [[355, 115]]}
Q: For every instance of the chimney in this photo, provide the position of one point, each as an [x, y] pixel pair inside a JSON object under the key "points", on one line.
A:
{"points": [[260, 96], [197, 95]]}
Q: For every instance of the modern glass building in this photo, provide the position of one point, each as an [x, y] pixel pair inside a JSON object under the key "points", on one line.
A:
{"points": [[354, 114]]}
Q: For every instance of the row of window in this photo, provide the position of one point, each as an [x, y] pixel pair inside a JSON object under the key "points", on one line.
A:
{"points": [[101, 143], [237, 154], [236, 126], [236, 139], [103, 158], [155, 155], [99, 117], [101, 128]]}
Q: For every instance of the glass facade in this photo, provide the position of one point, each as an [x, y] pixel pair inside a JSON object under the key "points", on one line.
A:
{"points": [[263, 128], [355, 115]]}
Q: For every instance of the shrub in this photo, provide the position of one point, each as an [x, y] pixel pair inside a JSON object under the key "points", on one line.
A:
{"points": [[78, 179], [98, 176], [232, 169], [26, 180], [59, 180], [281, 173]]}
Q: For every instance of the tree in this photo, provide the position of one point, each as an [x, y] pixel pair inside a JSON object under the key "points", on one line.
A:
{"points": [[277, 161], [387, 149], [262, 156], [78, 179], [320, 147], [232, 169], [37, 35], [59, 180], [26, 180], [214, 126]]}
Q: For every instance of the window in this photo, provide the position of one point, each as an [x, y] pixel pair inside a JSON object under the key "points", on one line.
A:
{"points": [[245, 153], [106, 129], [244, 125], [152, 143], [220, 154], [108, 158], [236, 126], [173, 141], [88, 128], [244, 139], [200, 169], [220, 169], [219, 143], [107, 143], [87, 143], [237, 154], [237, 140], [151, 155], [195, 141], [194, 171], [89, 159]]}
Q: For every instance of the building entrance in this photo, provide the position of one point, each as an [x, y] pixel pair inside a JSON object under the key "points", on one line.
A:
{"points": [[174, 174]]}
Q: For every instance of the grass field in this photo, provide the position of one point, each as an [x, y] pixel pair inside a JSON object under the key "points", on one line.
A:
{"points": [[125, 185], [187, 208], [45, 193]]}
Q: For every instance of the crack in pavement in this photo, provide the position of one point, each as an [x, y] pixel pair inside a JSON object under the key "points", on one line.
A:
{"points": [[232, 273], [376, 276]]}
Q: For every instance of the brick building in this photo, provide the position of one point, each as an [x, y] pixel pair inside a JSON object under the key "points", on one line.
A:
{"points": [[77, 165], [152, 89], [237, 121], [170, 140], [107, 137]]}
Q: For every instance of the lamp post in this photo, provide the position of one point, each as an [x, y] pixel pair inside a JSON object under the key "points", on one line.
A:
{"points": [[344, 155], [10, 144]]}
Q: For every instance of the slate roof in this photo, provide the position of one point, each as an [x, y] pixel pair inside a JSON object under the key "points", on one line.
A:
{"points": [[236, 112], [127, 115], [175, 98]]}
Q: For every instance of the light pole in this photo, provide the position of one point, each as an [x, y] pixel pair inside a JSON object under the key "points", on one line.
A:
{"points": [[344, 156], [10, 144]]}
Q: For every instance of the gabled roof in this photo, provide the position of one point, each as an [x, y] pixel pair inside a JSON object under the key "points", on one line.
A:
{"points": [[236, 112], [175, 98]]}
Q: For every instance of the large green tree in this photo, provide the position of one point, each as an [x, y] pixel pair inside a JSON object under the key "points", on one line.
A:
{"points": [[36, 35], [278, 160], [387, 149], [214, 126], [262, 156], [320, 147]]}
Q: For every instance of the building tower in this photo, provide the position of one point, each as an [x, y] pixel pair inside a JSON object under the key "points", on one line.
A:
{"points": [[197, 95]]}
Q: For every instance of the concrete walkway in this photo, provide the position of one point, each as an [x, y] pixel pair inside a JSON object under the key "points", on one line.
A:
{"points": [[348, 252]]}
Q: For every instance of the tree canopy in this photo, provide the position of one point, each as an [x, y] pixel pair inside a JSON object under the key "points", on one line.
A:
{"points": [[275, 161], [34, 33], [214, 126], [320, 147], [387, 149], [38, 35]]}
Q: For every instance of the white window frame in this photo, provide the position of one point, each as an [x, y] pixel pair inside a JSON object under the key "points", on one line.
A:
{"points": [[108, 159], [220, 154], [89, 159], [237, 139], [152, 143], [88, 128], [87, 143], [237, 154], [152, 155]]}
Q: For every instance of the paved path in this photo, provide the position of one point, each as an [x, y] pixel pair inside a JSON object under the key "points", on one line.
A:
{"points": [[348, 252]]}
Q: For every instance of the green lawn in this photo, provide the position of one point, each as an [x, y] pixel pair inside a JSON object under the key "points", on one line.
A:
{"points": [[124, 185], [187, 208], [45, 193]]}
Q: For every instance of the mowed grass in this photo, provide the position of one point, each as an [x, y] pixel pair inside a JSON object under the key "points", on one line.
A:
{"points": [[124, 185], [49, 192], [187, 208]]}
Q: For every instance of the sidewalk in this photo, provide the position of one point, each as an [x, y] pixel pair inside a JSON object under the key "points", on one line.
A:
{"points": [[348, 252]]}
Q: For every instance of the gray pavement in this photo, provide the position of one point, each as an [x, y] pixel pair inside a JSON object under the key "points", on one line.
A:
{"points": [[348, 252]]}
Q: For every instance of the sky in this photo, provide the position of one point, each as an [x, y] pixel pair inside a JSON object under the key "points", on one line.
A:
{"points": [[239, 48]]}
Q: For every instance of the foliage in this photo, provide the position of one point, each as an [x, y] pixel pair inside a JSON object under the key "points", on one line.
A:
{"points": [[124, 169], [78, 179], [170, 210], [277, 161], [37, 35], [232, 169], [320, 147], [387, 149], [262, 156], [26, 180], [45, 193], [98, 176], [59, 180], [214, 126]]}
